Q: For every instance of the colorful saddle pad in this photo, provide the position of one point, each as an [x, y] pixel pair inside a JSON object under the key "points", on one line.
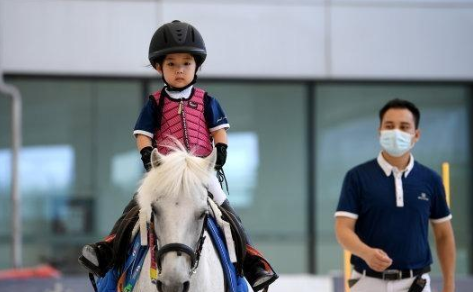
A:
{"points": [[124, 280]]}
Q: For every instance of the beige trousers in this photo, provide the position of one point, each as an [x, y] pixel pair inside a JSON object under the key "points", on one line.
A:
{"points": [[216, 190], [370, 284]]}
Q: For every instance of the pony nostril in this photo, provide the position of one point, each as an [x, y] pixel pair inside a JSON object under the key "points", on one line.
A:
{"points": [[159, 285], [186, 286]]}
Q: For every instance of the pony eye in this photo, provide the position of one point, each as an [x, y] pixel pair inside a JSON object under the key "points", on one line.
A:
{"points": [[154, 210]]}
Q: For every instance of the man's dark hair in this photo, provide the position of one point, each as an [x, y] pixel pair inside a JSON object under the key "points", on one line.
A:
{"points": [[401, 104]]}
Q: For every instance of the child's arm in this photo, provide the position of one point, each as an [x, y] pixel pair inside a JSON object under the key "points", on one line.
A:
{"points": [[144, 145], [220, 136], [143, 141], [218, 125]]}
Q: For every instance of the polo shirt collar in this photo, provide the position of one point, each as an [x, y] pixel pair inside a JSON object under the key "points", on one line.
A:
{"points": [[388, 168]]}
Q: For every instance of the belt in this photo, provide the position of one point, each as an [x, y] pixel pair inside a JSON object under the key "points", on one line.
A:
{"points": [[390, 275]]}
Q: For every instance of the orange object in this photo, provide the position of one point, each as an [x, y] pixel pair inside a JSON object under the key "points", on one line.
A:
{"points": [[346, 269], [446, 180], [42, 271]]}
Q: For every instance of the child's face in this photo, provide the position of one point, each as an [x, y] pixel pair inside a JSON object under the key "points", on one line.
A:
{"points": [[178, 69]]}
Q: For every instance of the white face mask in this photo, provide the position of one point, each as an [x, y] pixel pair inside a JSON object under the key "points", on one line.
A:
{"points": [[395, 142]]}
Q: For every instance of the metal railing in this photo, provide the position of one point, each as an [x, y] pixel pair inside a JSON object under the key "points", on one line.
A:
{"points": [[16, 109]]}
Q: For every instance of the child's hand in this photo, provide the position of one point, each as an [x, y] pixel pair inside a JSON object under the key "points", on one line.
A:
{"points": [[146, 157], [221, 155]]}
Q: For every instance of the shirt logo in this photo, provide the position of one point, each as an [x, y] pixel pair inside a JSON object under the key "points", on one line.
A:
{"points": [[193, 104], [423, 197]]}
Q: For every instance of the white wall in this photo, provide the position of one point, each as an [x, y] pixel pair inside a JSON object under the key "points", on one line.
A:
{"points": [[76, 37], [402, 42], [354, 39]]}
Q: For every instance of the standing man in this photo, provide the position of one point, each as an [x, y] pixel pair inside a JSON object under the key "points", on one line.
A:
{"points": [[384, 211]]}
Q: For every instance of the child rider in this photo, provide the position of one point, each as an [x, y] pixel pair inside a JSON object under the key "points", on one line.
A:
{"points": [[180, 110]]}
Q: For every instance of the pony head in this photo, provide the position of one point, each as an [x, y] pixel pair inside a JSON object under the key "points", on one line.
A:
{"points": [[174, 193]]}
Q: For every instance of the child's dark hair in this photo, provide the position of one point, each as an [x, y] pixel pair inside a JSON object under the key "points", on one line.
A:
{"points": [[401, 104], [159, 60]]}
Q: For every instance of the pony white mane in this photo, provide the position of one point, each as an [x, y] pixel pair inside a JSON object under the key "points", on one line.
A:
{"points": [[179, 173]]}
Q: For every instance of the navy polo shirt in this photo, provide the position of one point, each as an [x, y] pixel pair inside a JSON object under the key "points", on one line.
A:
{"points": [[149, 119], [396, 222]]}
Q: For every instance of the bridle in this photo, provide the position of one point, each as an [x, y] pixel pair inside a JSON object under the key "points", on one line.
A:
{"points": [[179, 248]]}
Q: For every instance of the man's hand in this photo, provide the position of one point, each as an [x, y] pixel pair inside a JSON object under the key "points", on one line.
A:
{"points": [[377, 260]]}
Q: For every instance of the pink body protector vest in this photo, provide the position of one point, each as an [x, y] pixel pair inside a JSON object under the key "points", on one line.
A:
{"points": [[185, 121]]}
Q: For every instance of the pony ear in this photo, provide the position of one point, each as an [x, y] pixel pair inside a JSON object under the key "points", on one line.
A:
{"points": [[155, 158], [211, 159]]}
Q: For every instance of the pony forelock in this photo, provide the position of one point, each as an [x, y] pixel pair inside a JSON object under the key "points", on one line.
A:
{"points": [[179, 173]]}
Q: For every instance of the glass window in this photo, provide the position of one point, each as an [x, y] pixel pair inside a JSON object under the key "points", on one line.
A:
{"points": [[346, 126], [5, 164], [80, 167], [118, 166], [77, 145]]}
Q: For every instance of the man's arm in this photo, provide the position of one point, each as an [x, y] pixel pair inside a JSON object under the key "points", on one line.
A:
{"points": [[445, 243], [376, 259]]}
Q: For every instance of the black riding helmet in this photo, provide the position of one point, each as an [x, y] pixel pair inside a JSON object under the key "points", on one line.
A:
{"points": [[176, 37]]}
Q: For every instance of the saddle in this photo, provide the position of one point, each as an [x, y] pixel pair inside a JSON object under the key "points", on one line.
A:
{"points": [[124, 236], [235, 237], [132, 223]]}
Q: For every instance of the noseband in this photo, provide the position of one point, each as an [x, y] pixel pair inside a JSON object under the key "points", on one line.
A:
{"points": [[180, 248]]}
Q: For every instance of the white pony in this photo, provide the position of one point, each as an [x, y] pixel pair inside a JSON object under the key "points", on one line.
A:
{"points": [[174, 192]]}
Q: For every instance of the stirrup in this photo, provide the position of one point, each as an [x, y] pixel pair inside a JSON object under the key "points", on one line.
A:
{"points": [[89, 266], [262, 274], [103, 255], [266, 283]]}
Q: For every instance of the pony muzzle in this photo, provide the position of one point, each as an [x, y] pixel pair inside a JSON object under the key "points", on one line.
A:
{"points": [[176, 287]]}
